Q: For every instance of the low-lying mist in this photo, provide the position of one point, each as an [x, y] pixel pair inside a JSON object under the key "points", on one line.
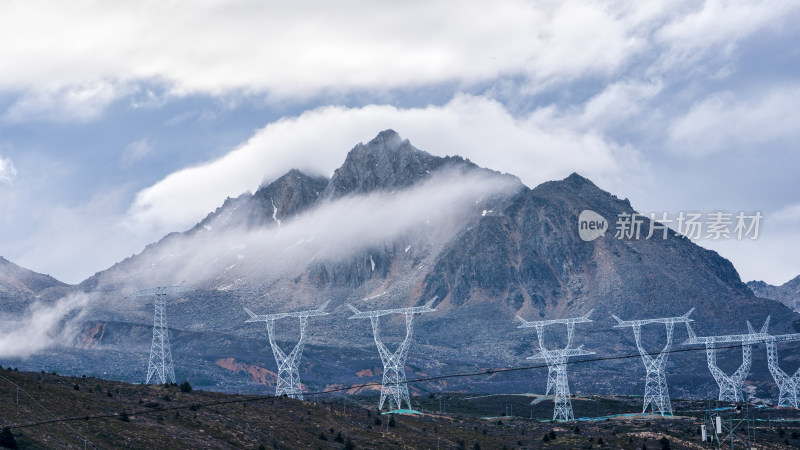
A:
{"points": [[227, 254], [42, 326]]}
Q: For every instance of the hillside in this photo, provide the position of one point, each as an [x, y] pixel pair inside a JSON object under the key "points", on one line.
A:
{"points": [[19, 287], [165, 417]]}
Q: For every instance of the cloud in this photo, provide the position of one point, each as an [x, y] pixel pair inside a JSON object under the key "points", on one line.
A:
{"points": [[93, 230], [316, 142], [427, 215], [7, 170], [42, 326], [300, 49], [73, 103], [136, 151], [729, 122]]}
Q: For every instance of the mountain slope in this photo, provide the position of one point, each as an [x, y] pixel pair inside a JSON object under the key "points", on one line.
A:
{"points": [[19, 287], [787, 293], [393, 227]]}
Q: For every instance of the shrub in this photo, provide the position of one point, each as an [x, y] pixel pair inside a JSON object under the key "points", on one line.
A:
{"points": [[338, 437], [186, 387], [7, 439], [123, 416], [393, 424], [322, 436]]}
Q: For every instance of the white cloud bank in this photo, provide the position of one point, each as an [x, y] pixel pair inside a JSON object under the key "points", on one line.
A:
{"points": [[725, 121], [294, 48], [42, 326], [316, 142]]}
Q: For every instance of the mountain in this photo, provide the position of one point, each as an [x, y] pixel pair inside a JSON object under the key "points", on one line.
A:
{"points": [[787, 293], [395, 226], [19, 286]]}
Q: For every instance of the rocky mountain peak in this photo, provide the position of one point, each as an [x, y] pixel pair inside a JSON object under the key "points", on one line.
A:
{"points": [[386, 162], [787, 293]]}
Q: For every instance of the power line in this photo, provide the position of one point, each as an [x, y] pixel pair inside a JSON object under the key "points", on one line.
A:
{"points": [[19, 388], [346, 388]]}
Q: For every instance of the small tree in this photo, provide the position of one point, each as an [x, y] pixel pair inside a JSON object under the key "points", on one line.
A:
{"points": [[123, 416], [7, 439], [186, 387], [322, 436], [391, 421], [349, 445], [339, 437], [664, 443]]}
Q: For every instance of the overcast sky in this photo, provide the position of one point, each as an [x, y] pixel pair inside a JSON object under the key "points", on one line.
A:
{"points": [[123, 121]]}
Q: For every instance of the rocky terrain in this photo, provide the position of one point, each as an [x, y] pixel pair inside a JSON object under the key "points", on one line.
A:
{"points": [[787, 293], [395, 226]]}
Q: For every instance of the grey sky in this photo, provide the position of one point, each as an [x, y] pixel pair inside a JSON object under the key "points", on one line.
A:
{"points": [[121, 123]]}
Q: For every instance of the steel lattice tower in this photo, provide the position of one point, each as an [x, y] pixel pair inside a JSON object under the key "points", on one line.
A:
{"points": [[288, 382], [730, 386], [160, 363], [557, 362], [788, 386], [656, 393], [394, 385]]}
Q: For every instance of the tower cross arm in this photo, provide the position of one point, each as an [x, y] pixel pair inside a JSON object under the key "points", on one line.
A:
{"points": [[543, 323], [358, 314], [665, 320], [253, 317], [160, 290]]}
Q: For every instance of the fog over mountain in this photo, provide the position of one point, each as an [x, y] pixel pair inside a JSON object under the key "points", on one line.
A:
{"points": [[393, 227]]}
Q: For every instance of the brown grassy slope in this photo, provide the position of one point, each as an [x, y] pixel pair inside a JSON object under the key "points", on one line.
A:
{"points": [[164, 417]]}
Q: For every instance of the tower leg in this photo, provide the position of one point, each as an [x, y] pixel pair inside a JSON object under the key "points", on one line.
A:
{"points": [[288, 382], [656, 393], [160, 367], [787, 386], [730, 386], [563, 404], [394, 385]]}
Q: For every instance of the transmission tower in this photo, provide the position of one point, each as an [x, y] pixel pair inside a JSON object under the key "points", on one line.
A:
{"points": [[160, 363], [394, 373], [730, 386], [788, 386], [288, 372], [557, 362], [656, 394]]}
